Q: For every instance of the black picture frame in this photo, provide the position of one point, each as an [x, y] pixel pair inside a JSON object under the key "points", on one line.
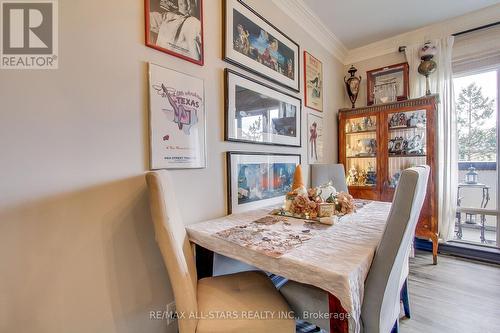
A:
{"points": [[253, 66], [227, 102], [230, 155]]}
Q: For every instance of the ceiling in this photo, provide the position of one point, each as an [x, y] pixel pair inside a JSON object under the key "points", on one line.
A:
{"points": [[357, 23]]}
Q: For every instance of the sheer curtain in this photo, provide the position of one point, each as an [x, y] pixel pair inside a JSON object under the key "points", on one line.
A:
{"points": [[441, 82]]}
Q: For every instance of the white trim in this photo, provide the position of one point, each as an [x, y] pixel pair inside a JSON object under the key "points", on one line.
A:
{"points": [[390, 45], [312, 24]]}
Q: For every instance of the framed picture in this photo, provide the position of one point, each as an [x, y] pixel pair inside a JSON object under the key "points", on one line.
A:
{"points": [[176, 119], [251, 42], [258, 113], [176, 27], [313, 82], [388, 84], [256, 180], [315, 141]]}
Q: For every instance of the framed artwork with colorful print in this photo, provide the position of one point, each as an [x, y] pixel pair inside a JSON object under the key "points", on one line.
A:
{"points": [[259, 113], [256, 180], [176, 27], [313, 82], [176, 119], [253, 43]]}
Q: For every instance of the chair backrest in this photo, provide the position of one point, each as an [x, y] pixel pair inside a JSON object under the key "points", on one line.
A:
{"points": [[323, 173], [174, 245], [380, 308]]}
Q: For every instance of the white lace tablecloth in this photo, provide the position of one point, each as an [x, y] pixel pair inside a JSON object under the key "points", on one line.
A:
{"points": [[336, 260]]}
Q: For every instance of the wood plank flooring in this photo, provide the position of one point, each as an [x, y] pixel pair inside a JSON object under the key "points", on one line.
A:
{"points": [[454, 296]]}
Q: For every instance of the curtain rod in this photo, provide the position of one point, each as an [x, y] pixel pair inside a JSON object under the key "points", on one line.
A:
{"points": [[476, 29], [402, 48]]}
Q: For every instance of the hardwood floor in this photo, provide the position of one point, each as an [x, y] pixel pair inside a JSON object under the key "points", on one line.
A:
{"points": [[454, 296]]}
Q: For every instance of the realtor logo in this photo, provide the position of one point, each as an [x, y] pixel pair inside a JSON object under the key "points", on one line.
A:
{"points": [[29, 34]]}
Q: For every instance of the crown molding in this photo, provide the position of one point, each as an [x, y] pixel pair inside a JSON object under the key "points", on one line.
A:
{"points": [[445, 28], [311, 23]]}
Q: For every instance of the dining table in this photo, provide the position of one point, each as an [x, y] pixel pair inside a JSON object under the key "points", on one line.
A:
{"points": [[335, 258]]}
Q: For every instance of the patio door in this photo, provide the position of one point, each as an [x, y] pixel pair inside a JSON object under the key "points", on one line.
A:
{"points": [[477, 104]]}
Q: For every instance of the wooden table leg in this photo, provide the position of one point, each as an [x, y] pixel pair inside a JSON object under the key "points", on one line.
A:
{"points": [[339, 320]]}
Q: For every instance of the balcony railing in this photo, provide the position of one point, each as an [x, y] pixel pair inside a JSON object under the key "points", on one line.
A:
{"points": [[477, 217]]}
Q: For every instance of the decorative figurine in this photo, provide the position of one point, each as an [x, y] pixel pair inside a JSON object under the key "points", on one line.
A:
{"points": [[352, 177], [352, 84], [398, 120], [427, 66], [371, 175], [394, 180], [415, 145]]}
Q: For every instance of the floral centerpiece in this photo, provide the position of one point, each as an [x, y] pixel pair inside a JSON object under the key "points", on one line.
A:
{"points": [[319, 203]]}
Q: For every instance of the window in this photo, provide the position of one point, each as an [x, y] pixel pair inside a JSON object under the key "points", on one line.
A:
{"points": [[476, 103]]}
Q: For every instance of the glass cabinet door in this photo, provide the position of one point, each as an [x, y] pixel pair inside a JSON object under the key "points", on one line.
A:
{"points": [[361, 151], [407, 145]]}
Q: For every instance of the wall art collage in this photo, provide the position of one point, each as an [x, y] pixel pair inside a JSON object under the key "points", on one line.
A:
{"points": [[255, 111]]}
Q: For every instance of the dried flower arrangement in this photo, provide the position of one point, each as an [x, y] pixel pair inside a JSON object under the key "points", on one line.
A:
{"points": [[316, 203]]}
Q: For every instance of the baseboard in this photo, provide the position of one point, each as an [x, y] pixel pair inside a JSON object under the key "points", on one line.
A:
{"points": [[469, 251]]}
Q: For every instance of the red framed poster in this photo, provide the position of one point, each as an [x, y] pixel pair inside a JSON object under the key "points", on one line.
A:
{"points": [[176, 27]]}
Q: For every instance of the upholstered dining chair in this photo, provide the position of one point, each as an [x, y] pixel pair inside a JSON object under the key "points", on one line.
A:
{"points": [[324, 173], [386, 281], [240, 292]]}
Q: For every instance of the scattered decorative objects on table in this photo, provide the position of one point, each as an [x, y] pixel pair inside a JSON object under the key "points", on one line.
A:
{"points": [[313, 82], [352, 85], [311, 204], [176, 29], [253, 43], [177, 119], [388, 84], [272, 235], [427, 65], [315, 142], [258, 179], [258, 113]]}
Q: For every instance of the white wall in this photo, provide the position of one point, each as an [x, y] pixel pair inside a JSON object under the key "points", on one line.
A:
{"points": [[77, 250]]}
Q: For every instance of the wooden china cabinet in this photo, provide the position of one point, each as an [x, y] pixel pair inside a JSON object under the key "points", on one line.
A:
{"points": [[377, 142]]}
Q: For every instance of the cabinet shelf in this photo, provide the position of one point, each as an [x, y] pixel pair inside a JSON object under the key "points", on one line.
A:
{"points": [[388, 164], [367, 156], [407, 155], [362, 132], [394, 129]]}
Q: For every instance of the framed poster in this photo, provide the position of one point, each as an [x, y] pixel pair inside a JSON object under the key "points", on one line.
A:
{"points": [[388, 84], [258, 113], [315, 138], [255, 180], [313, 82], [176, 27], [176, 119], [253, 43]]}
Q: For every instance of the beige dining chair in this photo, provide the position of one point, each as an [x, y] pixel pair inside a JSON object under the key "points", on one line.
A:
{"points": [[202, 303], [386, 280], [323, 173]]}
